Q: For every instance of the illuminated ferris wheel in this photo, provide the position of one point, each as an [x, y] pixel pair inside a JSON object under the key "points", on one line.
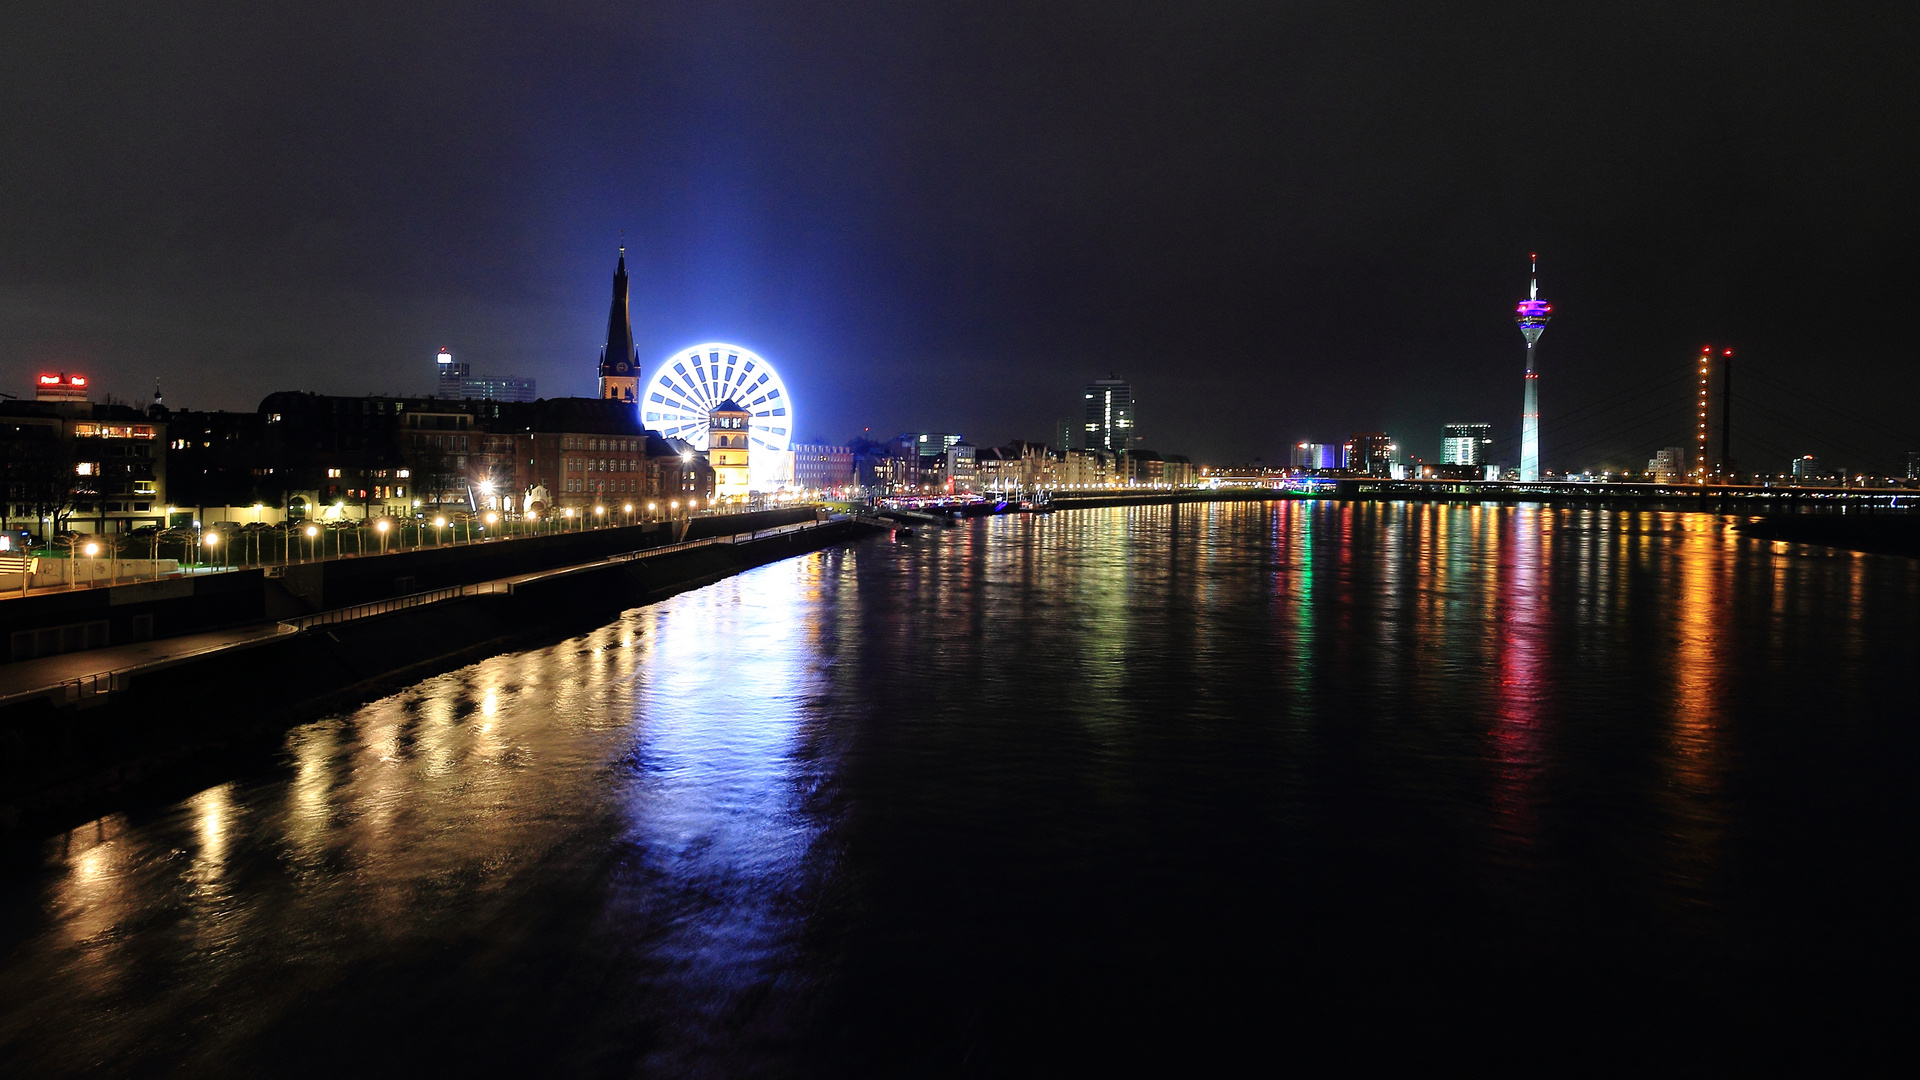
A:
{"points": [[690, 384]]}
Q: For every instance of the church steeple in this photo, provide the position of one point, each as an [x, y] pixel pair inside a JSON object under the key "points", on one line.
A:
{"points": [[619, 360]]}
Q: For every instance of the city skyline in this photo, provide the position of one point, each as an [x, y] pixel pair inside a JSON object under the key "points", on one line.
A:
{"points": [[899, 292]]}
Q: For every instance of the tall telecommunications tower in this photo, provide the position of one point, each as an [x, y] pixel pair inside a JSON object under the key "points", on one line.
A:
{"points": [[1532, 315]]}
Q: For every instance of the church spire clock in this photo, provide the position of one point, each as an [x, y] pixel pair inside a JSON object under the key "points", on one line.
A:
{"points": [[619, 360]]}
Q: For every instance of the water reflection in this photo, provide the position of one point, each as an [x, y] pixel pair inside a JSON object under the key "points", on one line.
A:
{"points": [[920, 788], [1518, 733]]}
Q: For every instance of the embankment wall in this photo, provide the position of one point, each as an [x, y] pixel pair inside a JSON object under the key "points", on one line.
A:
{"points": [[175, 727]]}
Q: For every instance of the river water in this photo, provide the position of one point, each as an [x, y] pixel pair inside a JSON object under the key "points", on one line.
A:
{"points": [[1100, 784]]}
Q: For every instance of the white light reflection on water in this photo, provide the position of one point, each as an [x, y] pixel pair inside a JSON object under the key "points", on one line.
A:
{"points": [[717, 817]]}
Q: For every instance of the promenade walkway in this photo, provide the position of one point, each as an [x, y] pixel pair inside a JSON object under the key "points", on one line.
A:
{"points": [[69, 676]]}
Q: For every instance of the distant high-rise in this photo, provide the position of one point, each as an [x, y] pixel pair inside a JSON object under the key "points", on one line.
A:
{"points": [[450, 374], [619, 360], [1668, 466], [497, 388], [1109, 416], [1807, 467], [1317, 455], [1465, 444], [1532, 316], [456, 382], [1063, 434], [1372, 452]]}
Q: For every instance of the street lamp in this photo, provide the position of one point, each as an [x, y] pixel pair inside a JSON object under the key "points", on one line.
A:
{"points": [[92, 549], [213, 542], [312, 531], [439, 523]]}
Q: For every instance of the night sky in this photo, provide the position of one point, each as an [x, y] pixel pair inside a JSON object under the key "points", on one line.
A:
{"points": [[1280, 220]]}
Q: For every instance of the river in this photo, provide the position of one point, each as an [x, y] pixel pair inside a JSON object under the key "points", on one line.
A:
{"points": [[1114, 783]]}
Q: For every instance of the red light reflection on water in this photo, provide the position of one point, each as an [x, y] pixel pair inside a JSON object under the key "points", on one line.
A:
{"points": [[1520, 608]]}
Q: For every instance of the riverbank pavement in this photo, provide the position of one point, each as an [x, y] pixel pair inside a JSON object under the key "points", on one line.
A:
{"points": [[69, 675]]}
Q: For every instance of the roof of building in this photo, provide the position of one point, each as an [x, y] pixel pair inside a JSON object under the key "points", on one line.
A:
{"points": [[72, 410]]}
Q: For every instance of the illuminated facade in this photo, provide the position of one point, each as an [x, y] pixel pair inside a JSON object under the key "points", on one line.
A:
{"points": [[619, 360], [1465, 444], [1532, 317], [1109, 423], [1316, 455], [1372, 452], [60, 387], [457, 382], [727, 451], [822, 466], [72, 464], [1668, 466], [448, 374], [689, 385]]}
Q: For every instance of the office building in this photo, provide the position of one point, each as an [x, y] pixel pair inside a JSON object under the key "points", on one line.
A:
{"points": [[1109, 417], [449, 373], [1669, 466], [455, 381], [1371, 452], [497, 388], [1316, 455], [73, 464], [822, 466], [1465, 444]]}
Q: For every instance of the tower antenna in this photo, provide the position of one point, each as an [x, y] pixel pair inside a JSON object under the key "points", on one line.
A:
{"points": [[1532, 317]]}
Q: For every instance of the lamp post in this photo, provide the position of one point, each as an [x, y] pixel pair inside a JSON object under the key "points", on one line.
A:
{"points": [[599, 516], [439, 523], [91, 549], [312, 531], [569, 513], [381, 528], [213, 542]]}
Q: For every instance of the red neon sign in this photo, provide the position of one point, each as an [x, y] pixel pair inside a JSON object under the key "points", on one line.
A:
{"points": [[49, 380], [78, 380]]}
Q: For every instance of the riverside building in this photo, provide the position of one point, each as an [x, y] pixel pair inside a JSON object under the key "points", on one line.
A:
{"points": [[1465, 444]]}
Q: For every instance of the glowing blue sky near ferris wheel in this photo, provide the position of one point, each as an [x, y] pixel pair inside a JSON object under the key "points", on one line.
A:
{"points": [[690, 383]]}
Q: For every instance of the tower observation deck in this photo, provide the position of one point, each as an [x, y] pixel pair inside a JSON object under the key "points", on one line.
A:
{"points": [[1532, 316]]}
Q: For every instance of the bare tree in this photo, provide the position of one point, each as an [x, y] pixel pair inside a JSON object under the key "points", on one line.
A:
{"points": [[49, 481]]}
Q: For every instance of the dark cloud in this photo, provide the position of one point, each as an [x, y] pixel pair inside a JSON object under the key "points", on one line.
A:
{"points": [[1280, 220]]}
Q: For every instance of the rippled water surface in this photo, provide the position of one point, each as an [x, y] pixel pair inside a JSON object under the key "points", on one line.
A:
{"points": [[1160, 779]]}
